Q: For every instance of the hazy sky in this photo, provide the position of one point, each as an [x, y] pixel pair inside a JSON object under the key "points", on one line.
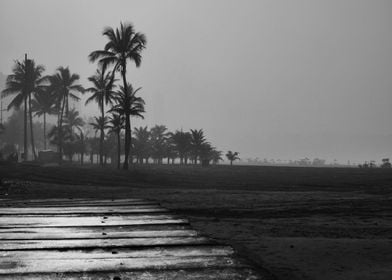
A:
{"points": [[269, 79]]}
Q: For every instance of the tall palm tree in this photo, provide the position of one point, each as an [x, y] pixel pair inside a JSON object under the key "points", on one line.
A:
{"points": [[25, 81], [116, 124], [127, 105], [43, 104], [64, 86], [124, 44], [103, 94]]}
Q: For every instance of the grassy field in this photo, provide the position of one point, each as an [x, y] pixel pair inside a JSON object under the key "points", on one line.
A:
{"points": [[297, 223]]}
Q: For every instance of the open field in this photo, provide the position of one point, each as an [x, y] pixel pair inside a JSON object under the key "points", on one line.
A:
{"points": [[298, 223]]}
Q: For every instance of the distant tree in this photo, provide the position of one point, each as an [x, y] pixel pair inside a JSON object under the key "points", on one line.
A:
{"points": [[124, 44], [25, 81], [92, 145], [216, 156], [158, 138], [13, 129], [127, 105], [53, 135], [103, 94], [116, 124], [81, 145], [385, 163], [43, 104], [206, 153], [197, 141], [232, 156], [318, 162], [171, 152], [141, 144], [182, 144], [73, 120], [100, 123]]}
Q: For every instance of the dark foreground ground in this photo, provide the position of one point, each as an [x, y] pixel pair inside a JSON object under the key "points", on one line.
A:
{"points": [[298, 223]]}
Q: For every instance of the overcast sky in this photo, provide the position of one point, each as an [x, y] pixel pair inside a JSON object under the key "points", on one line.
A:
{"points": [[269, 79]]}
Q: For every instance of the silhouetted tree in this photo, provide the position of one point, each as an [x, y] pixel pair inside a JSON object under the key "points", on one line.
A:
{"points": [[232, 156], [43, 104], [64, 86], [100, 123], [127, 105], [216, 156], [81, 145], [103, 94], [73, 120], [197, 141], [182, 143], [141, 144], [158, 138], [25, 81], [123, 44], [385, 163]]}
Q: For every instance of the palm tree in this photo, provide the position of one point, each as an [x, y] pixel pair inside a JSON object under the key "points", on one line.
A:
{"points": [[43, 104], [141, 143], [197, 141], [123, 44], [64, 86], [115, 125], [232, 156], [159, 136], [25, 81], [182, 144], [216, 156], [100, 123], [80, 145], [73, 120], [128, 104], [102, 93]]}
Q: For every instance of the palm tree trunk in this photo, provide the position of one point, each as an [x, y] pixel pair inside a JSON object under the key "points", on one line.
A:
{"points": [[60, 130], [127, 122], [25, 130], [44, 131], [102, 135], [118, 150], [31, 129]]}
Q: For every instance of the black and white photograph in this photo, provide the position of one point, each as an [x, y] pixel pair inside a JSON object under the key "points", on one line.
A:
{"points": [[196, 139]]}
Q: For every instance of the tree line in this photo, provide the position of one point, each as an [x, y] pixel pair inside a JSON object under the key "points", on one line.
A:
{"points": [[37, 94]]}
